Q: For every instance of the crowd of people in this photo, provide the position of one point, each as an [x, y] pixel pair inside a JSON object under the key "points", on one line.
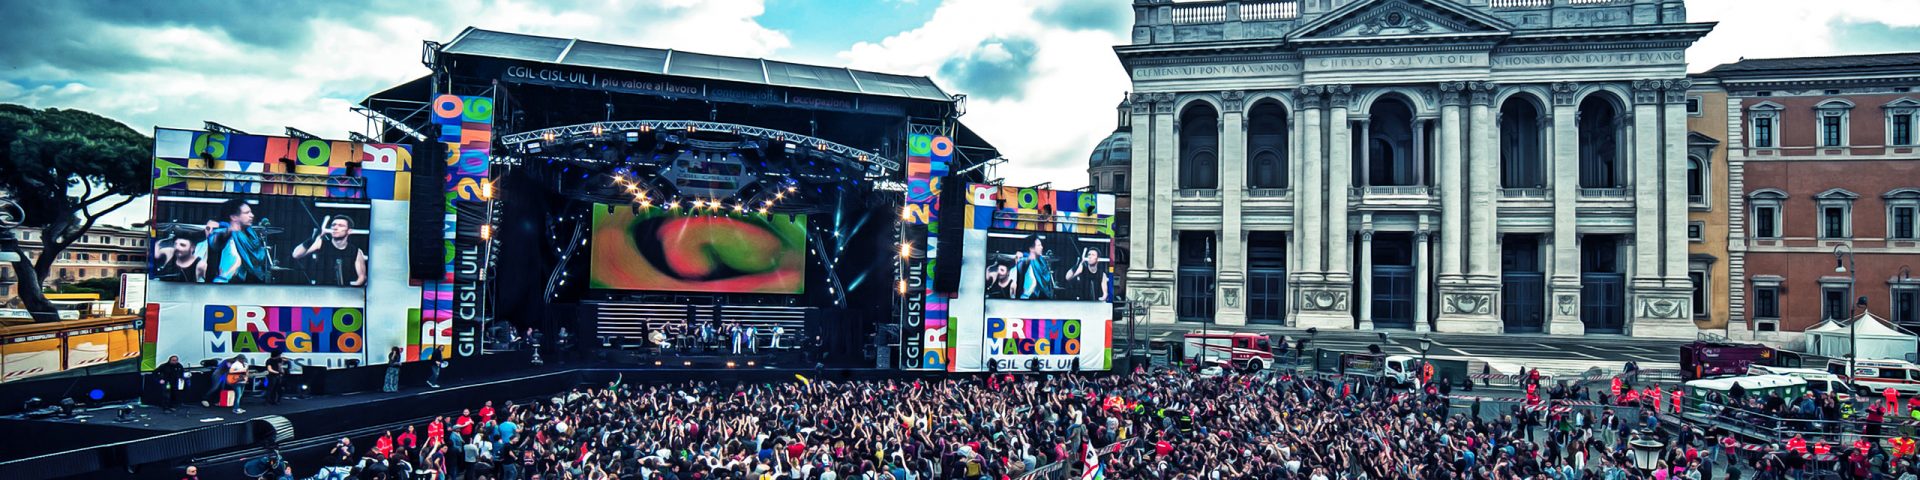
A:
{"points": [[1175, 425]]}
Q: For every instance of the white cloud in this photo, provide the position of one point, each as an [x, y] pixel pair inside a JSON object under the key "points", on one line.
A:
{"points": [[182, 76], [1784, 28], [1066, 103]]}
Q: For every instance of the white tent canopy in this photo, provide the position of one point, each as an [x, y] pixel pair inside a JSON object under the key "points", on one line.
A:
{"points": [[1876, 339]]}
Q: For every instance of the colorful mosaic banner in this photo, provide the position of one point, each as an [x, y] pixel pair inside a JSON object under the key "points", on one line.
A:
{"points": [[923, 318], [466, 128], [1037, 210], [383, 167]]}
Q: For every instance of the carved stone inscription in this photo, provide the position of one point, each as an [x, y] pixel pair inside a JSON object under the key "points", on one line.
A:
{"points": [[1391, 62], [1592, 59], [1205, 71]]}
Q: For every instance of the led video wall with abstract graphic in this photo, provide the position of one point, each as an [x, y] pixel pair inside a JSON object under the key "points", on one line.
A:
{"points": [[240, 238], [1049, 266], [696, 250]]}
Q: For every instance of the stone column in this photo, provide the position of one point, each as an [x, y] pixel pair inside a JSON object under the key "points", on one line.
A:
{"points": [[1448, 181], [1484, 168], [1339, 256], [1366, 153], [1563, 303], [1233, 162], [1365, 299], [1420, 152], [1422, 281], [1308, 214]]}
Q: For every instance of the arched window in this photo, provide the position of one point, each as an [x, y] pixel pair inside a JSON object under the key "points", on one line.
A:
{"points": [[1199, 147], [1267, 146], [1390, 144], [1696, 180], [1522, 147], [1601, 125]]}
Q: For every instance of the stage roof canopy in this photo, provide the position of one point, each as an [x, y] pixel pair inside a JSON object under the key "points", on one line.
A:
{"points": [[582, 53]]}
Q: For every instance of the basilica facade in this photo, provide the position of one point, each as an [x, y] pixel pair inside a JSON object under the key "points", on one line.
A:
{"points": [[1472, 166]]}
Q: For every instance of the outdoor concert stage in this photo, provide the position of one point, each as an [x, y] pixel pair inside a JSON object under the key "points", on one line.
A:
{"points": [[95, 444]]}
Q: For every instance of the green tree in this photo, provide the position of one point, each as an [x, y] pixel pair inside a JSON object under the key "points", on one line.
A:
{"points": [[67, 169]]}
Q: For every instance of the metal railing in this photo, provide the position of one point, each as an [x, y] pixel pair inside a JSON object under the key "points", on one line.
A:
{"points": [[1526, 193], [1199, 193], [1393, 190], [1266, 192], [1617, 192]]}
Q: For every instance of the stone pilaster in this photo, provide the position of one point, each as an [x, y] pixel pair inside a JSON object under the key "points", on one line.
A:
{"points": [[1322, 301], [1666, 310], [1165, 166], [1464, 307], [1339, 182], [1484, 168], [1423, 280], [1449, 181], [1563, 301], [1231, 278], [1365, 279]]}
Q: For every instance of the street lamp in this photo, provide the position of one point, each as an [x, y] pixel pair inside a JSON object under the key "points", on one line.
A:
{"points": [[1844, 253], [1425, 343], [1646, 451]]}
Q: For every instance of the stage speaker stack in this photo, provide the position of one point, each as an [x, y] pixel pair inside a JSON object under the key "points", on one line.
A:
{"points": [[427, 214], [953, 217]]}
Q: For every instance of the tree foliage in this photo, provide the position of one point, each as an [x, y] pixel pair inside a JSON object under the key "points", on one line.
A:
{"points": [[67, 169]]}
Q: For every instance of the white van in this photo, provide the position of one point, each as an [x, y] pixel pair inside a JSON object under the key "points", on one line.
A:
{"points": [[1817, 380], [1878, 375]]}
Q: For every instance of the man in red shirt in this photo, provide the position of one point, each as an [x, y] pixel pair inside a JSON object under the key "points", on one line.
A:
{"points": [[486, 412], [796, 450], [437, 429], [464, 424], [383, 447]]}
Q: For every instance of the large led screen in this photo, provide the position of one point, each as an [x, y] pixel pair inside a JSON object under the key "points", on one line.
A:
{"points": [[1049, 266], [245, 238], [698, 251]]}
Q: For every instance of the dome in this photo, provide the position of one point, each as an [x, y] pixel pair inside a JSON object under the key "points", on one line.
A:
{"points": [[1115, 151]]}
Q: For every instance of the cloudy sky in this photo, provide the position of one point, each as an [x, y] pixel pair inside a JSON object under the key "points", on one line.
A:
{"points": [[1040, 74]]}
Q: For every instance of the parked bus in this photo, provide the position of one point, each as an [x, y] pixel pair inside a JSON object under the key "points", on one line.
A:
{"points": [[1705, 359]]}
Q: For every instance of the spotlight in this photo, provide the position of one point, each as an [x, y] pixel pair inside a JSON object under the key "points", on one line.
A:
{"points": [[66, 407], [533, 147], [730, 364], [749, 363], [656, 363], [763, 211], [791, 188], [686, 363], [906, 250], [633, 136]]}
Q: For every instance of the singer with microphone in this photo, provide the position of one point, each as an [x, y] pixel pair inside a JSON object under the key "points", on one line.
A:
{"points": [[336, 255], [242, 250]]}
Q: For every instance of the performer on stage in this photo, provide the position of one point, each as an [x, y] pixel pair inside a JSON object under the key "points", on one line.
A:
{"points": [[177, 261], [1033, 274], [999, 281], [337, 254], [242, 251], [173, 379], [1087, 279]]}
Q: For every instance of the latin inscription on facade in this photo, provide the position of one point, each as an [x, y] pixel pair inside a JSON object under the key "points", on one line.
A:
{"points": [[1592, 59], [1203, 71], [1390, 62]]}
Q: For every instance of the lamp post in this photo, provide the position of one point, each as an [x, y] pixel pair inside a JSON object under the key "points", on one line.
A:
{"points": [[1844, 253], [1646, 451], [1426, 342]]}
